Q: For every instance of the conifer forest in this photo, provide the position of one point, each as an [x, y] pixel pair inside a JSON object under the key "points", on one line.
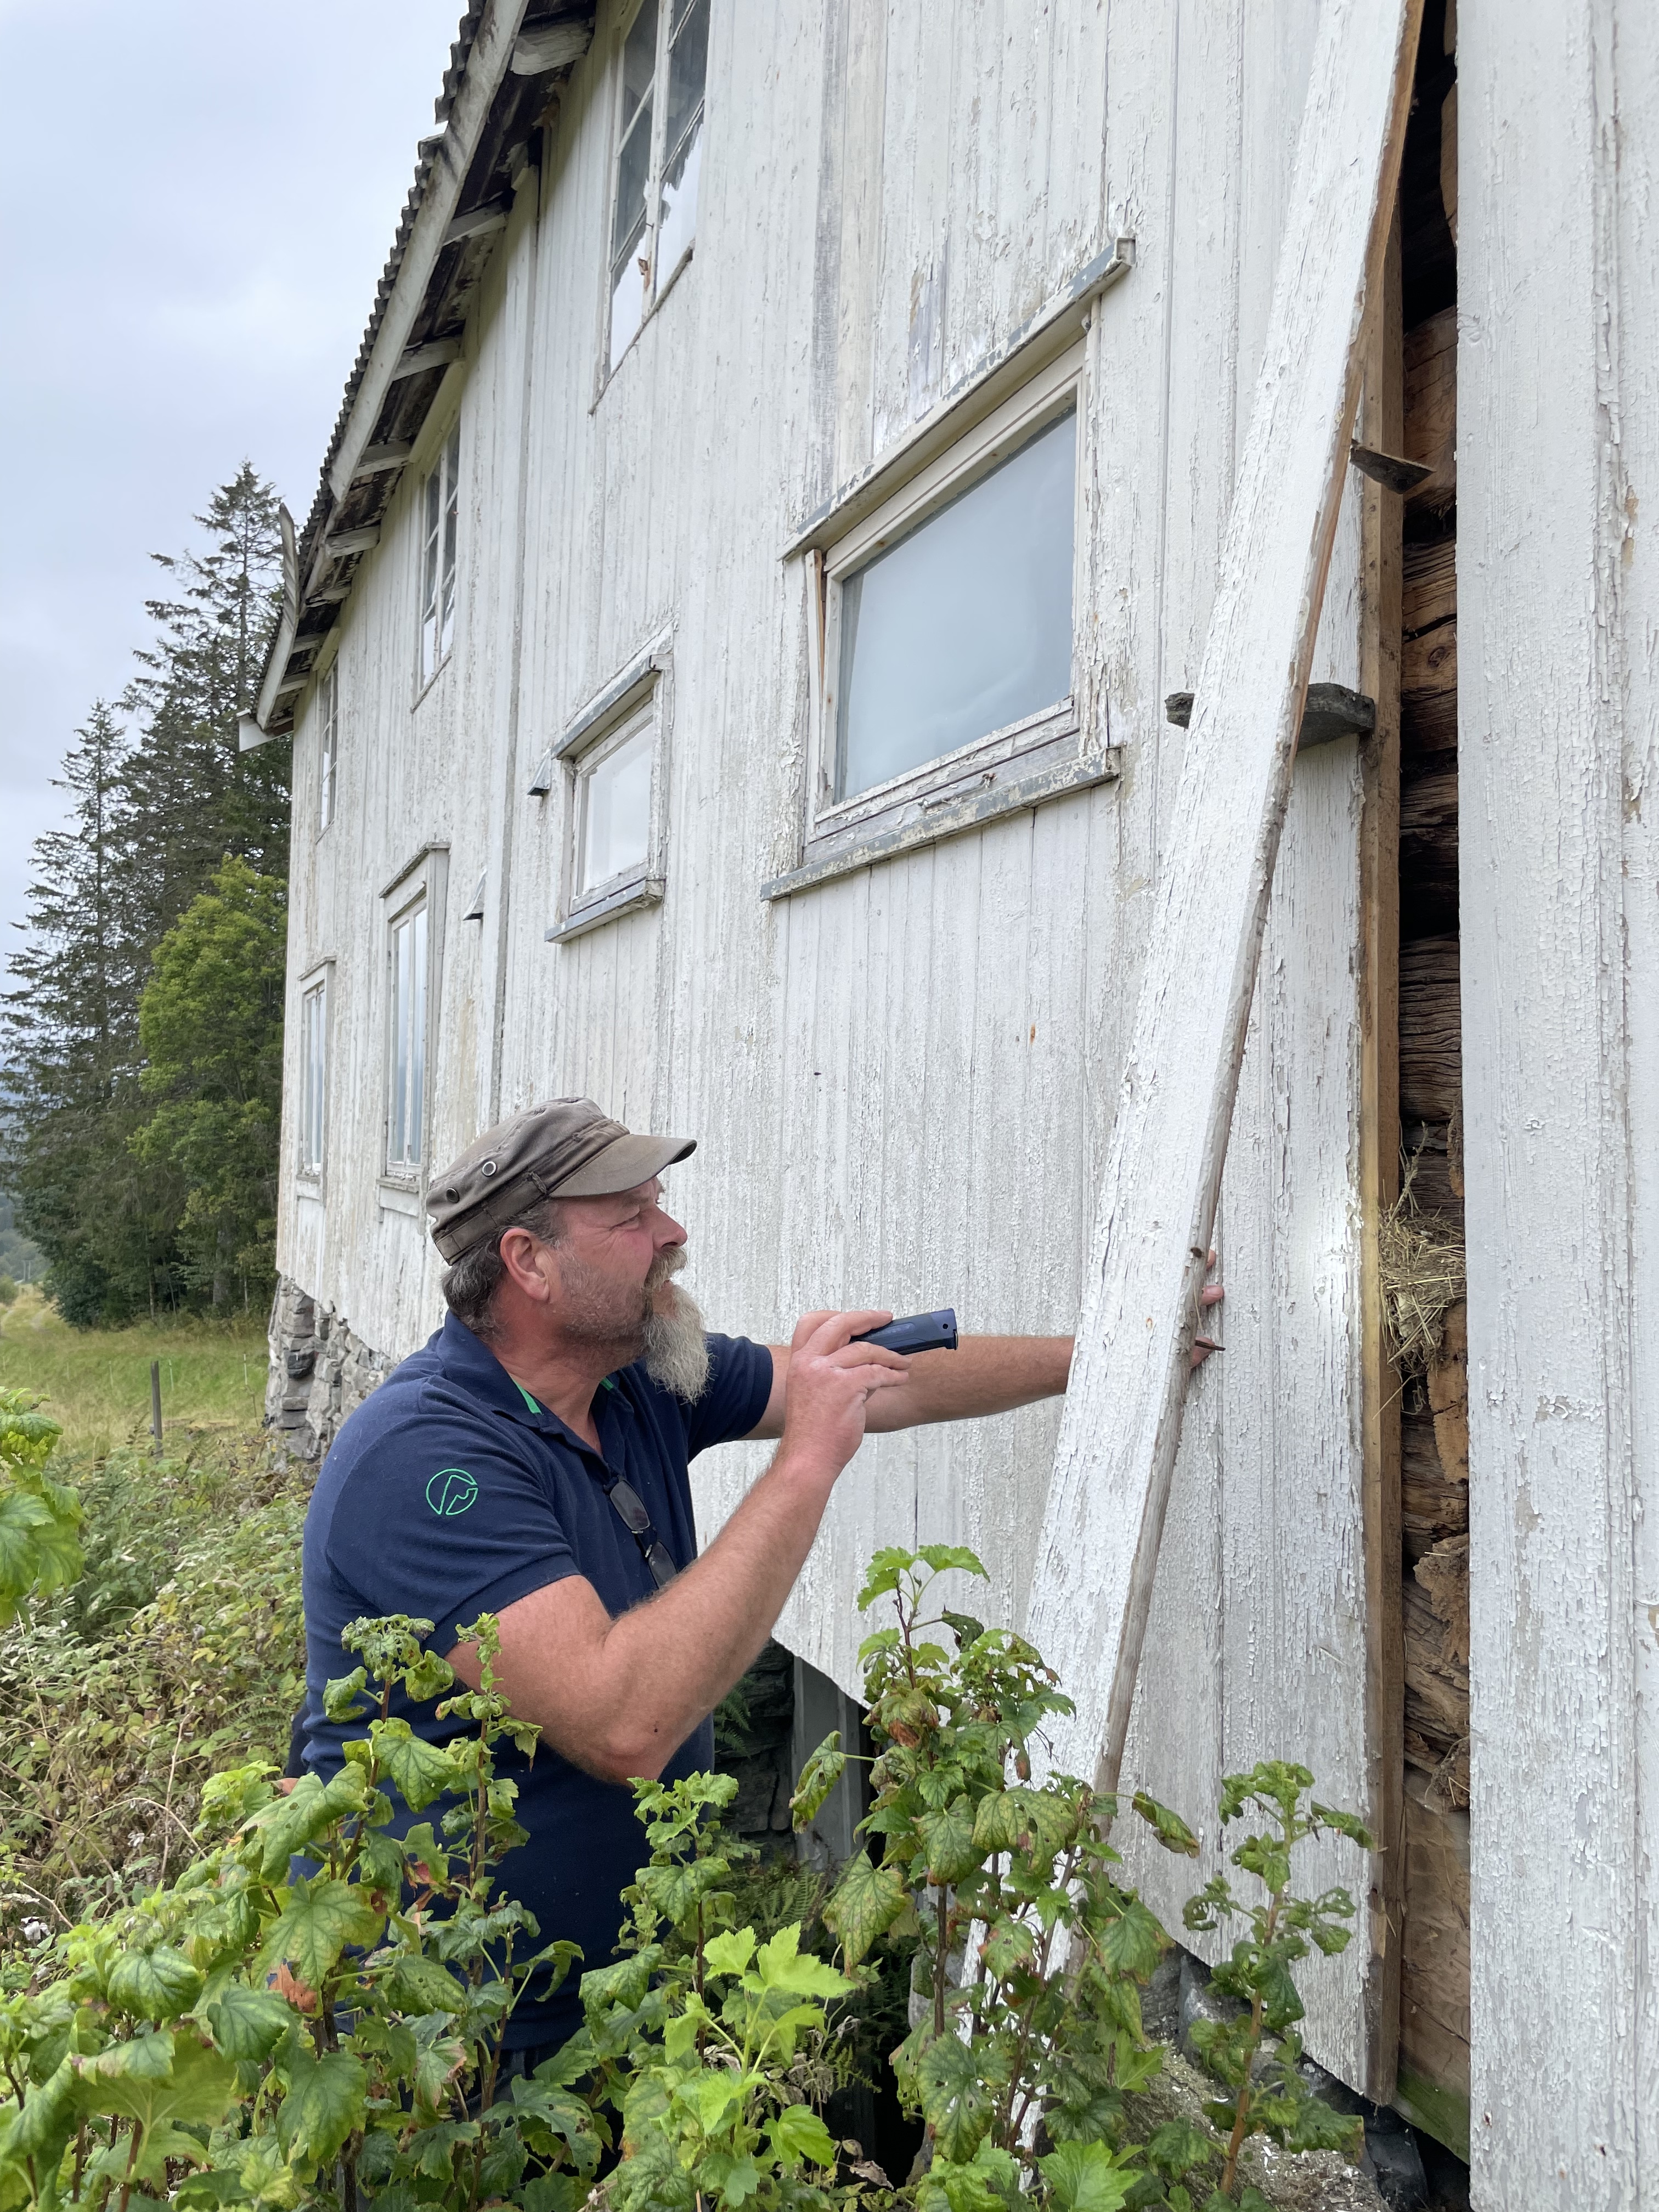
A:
{"points": [[143, 1019]]}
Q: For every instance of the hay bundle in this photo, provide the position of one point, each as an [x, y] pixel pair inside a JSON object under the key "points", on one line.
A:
{"points": [[1423, 1275]]}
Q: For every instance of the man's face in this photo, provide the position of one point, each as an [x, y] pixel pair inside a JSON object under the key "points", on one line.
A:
{"points": [[613, 1262]]}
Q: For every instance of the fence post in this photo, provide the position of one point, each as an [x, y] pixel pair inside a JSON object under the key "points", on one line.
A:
{"points": [[155, 1403]]}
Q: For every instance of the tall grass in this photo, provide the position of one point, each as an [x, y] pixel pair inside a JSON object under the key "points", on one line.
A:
{"points": [[96, 1381]]}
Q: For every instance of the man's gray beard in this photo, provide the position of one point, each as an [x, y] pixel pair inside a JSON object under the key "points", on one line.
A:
{"points": [[675, 1344]]}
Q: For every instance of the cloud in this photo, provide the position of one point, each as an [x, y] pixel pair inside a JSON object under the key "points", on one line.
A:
{"points": [[192, 247]]}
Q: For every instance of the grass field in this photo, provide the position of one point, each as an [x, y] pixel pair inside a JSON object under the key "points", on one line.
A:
{"points": [[96, 1381]]}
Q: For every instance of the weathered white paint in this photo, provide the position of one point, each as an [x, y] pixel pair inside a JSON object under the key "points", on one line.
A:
{"points": [[1559, 720], [904, 1080], [1122, 1422]]}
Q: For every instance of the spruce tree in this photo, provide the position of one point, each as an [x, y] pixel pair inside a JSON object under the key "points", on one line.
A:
{"points": [[192, 797], [156, 809], [71, 1036]]}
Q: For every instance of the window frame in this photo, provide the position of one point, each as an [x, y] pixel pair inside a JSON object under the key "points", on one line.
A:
{"points": [[1048, 738], [446, 466], [317, 983], [657, 283], [421, 884], [640, 698], [328, 746]]}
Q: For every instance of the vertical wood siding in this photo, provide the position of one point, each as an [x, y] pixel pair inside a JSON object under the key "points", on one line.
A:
{"points": [[1559, 615], [903, 1080]]}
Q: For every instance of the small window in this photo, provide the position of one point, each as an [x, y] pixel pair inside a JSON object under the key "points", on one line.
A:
{"points": [[665, 65], [439, 513], [407, 964], [613, 804], [611, 759], [944, 651], [313, 1076], [328, 759]]}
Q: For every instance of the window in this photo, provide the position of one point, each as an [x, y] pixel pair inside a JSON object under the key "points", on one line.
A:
{"points": [[313, 1076], [439, 514], [964, 626], [407, 963], [659, 152], [611, 759], [613, 804], [328, 759], [946, 687]]}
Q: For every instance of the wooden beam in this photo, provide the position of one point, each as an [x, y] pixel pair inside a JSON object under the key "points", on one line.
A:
{"points": [[1380, 420], [375, 460], [535, 53], [344, 543], [1122, 1426], [437, 353], [477, 223]]}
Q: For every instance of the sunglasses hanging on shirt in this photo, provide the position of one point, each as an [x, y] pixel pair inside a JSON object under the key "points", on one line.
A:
{"points": [[631, 1512]]}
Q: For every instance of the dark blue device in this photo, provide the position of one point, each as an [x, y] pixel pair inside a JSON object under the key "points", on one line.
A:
{"points": [[924, 1332]]}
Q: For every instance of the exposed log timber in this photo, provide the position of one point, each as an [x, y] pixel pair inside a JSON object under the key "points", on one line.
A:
{"points": [[1432, 1508], [1436, 1689], [1428, 856], [1428, 592], [1430, 1029], [1444, 1574], [1448, 1395], [1430, 358], [1434, 1973]]}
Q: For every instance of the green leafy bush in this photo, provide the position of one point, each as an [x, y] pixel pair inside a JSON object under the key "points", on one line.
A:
{"points": [[180, 1650], [1029, 1954], [328, 2034], [256, 2035], [39, 1518], [1268, 2095], [716, 2048]]}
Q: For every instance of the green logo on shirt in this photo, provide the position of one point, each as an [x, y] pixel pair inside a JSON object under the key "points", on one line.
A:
{"points": [[450, 1491]]}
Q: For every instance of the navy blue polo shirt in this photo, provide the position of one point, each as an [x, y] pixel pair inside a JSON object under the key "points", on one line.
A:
{"points": [[449, 1493]]}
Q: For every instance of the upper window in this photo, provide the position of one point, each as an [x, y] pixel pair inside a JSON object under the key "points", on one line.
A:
{"points": [[944, 651], [440, 510], [328, 758], [658, 150], [313, 1076], [963, 627], [406, 1042]]}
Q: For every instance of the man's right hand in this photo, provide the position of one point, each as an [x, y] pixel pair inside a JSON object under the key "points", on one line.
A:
{"points": [[832, 1380]]}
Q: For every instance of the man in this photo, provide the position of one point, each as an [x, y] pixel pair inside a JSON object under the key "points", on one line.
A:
{"points": [[531, 1462]]}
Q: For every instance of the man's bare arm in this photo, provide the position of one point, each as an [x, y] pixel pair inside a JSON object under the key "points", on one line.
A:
{"points": [[618, 1697], [983, 1375]]}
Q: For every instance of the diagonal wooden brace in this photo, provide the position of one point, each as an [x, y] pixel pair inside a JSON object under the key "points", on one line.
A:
{"points": [[1093, 1584]]}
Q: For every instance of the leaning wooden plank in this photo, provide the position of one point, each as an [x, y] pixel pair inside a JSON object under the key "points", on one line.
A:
{"points": [[1122, 1421]]}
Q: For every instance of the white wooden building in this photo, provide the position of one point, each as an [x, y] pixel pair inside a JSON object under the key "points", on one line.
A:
{"points": [[781, 482]]}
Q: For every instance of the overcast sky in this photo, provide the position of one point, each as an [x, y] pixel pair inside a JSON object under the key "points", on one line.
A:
{"points": [[196, 201]]}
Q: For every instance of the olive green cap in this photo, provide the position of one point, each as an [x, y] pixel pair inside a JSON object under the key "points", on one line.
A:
{"points": [[565, 1148]]}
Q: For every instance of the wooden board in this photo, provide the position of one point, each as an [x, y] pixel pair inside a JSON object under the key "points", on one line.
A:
{"points": [[1558, 708], [1122, 1426]]}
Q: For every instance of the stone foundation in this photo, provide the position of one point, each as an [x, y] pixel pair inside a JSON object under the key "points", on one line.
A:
{"points": [[320, 1371]]}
